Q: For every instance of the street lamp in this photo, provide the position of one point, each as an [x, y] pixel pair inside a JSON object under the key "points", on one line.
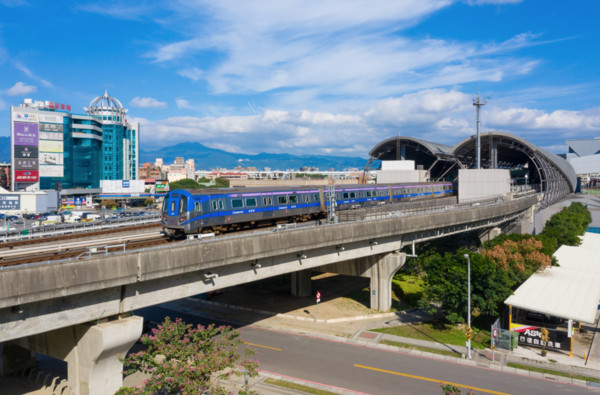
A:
{"points": [[469, 305]]}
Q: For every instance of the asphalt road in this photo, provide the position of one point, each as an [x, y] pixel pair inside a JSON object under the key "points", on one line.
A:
{"points": [[371, 370]]}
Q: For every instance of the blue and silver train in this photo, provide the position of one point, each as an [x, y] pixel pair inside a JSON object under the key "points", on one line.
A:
{"points": [[187, 211]]}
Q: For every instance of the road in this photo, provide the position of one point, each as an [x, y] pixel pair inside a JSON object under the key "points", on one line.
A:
{"points": [[371, 370]]}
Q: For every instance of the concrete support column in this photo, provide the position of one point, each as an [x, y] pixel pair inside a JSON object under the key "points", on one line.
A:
{"points": [[92, 352], [301, 283], [381, 274]]}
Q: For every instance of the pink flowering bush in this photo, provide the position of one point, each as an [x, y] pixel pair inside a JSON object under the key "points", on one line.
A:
{"points": [[181, 359]]}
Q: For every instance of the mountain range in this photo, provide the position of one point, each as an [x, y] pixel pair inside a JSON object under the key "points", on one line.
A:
{"points": [[209, 158]]}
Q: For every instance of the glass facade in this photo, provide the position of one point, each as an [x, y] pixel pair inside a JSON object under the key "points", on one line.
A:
{"points": [[77, 151]]}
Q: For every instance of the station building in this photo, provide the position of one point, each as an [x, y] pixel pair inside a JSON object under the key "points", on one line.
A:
{"points": [[51, 148]]}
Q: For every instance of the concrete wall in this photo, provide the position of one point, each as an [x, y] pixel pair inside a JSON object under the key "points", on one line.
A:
{"points": [[476, 184], [398, 176], [397, 165]]}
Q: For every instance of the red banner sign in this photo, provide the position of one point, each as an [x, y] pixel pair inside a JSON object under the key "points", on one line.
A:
{"points": [[26, 176]]}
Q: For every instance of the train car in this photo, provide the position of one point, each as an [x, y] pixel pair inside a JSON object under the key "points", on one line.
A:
{"points": [[218, 210]]}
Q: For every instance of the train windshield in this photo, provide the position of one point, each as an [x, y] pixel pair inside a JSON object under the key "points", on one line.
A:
{"points": [[183, 204]]}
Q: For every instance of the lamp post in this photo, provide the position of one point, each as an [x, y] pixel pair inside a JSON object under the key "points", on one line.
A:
{"points": [[469, 305]]}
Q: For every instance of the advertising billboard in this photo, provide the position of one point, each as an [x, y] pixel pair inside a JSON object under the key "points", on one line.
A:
{"points": [[51, 171], [26, 164], [50, 136], [51, 127], [24, 116], [51, 158], [10, 202], [25, 133], [50, 118], [26, 176], [25, 152], [161, 186], [51, 146]]}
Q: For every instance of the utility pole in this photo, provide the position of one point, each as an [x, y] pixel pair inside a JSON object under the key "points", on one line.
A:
{"points": [[469, 332], [478, 102]]}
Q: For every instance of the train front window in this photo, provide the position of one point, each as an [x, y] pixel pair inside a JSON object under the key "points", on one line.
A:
{"points": [[172, 205], [183, 204]]}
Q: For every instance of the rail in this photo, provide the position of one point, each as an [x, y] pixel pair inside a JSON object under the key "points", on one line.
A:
{"points": [[67, 228]]}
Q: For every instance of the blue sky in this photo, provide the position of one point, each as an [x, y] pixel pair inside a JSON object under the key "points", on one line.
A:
{"points": [[319, 77]]}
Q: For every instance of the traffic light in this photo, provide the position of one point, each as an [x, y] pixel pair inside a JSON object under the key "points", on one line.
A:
{"points": [[469, 333]]}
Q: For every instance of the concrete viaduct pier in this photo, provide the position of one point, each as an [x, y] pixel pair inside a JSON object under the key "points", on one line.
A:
{"points": [[81, 310]]}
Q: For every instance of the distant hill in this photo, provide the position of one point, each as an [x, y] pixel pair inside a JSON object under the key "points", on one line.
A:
{"points": [[5, 149], [210, 158]]}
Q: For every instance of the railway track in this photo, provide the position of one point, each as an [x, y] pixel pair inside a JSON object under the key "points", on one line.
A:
{"points": [[80, 249]]}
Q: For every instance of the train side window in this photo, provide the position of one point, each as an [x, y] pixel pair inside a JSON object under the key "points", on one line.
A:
{"points": [[267, 201], [352, 195], [316, 197], [345, 195], [220, 205], [237, 203], [282, 199], [250, 202], [293, 198], [368, 193], [213, 204], [198, 206]]}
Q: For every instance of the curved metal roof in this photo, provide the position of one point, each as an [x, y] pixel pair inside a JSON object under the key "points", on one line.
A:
{"points": [[105, 101], [433, 148], [554, 175]]}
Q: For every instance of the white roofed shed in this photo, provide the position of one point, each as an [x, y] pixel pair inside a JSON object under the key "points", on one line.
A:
{"points": [[571, 290]]}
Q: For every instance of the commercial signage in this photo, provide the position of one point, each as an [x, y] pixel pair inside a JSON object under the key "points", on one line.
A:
{"points": [[51, 158], [125, 184], [25, 152], [50, 136], [21, 116], [26, 164], [160, 187], [51, 127], [52, 171], [26, 176], [51, 118], [51, 146], [59, 106], [25, 133], [10, 202], [532, 336]]}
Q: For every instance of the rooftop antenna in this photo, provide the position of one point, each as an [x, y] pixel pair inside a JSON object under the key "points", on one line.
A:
{"points": [[479, 102]]}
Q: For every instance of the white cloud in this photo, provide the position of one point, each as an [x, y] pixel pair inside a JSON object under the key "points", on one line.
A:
{"points": [[193, 73], [532, 119], [31, 75], [184, 104], [20, 89], [147, 102]]}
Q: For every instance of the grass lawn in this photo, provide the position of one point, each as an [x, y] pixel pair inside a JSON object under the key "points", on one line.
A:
{"points": [[427, 349], [455, 335]]}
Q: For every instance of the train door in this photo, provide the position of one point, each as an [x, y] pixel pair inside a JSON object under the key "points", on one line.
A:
{"points": [[267, 206]]}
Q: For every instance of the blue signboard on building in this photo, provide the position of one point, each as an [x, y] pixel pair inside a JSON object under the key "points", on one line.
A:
{"points": [[125, 183], [10, 202]]}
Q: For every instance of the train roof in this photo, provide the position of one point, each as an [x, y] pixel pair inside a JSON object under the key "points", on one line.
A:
{"points": [[218, 191]]}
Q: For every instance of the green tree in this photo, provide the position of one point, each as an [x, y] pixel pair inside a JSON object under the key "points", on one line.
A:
{"points": [[221, 183], [181, 359], [186, 183]]}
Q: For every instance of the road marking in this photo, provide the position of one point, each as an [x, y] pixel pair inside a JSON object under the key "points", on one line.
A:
{"points": [[258, 345], [432, 380]]}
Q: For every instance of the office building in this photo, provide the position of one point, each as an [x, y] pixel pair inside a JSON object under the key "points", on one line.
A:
{"points": [[52, 148]]}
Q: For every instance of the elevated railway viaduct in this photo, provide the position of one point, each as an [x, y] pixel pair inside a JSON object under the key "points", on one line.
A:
{"points": [[80, 311]]}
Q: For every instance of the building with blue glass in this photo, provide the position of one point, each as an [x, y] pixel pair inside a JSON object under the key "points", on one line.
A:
{"points": [[52, 148]]}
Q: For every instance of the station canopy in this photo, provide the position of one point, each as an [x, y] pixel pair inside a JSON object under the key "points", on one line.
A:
{"points": [[569, 291]]}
